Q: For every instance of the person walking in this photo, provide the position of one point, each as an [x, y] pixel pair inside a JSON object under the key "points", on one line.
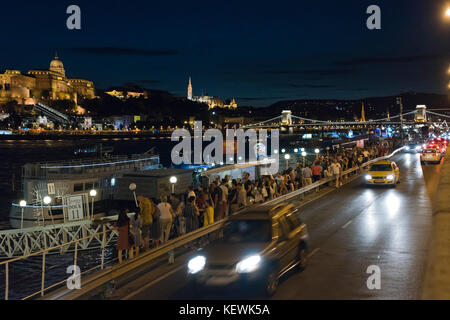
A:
{"points": [[307, 175], [224, 198], [336, 170], [233, 197], [146, 209], [241, 196], [317, 173], [190, 213], [208, 216], [123, 241], [155, 230], [136, 226], [166, 219]]}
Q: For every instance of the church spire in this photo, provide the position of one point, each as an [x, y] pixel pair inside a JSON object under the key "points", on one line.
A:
{"points": [[363, 114], [189, 90]]}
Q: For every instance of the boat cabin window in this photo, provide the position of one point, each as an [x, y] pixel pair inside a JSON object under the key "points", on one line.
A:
{"points": [[88, 186], [77, 187]]}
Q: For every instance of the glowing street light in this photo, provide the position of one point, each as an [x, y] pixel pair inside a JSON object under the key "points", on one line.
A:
{"points": [[287, 157], [22, 205], [283, 150], [92, 193], [447, 12], [316, 151], [132, 188], [173, 180], [47, 200]]}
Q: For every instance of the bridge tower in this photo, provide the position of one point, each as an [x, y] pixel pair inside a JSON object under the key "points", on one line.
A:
{"points": [[421, 114], [286, 117]]}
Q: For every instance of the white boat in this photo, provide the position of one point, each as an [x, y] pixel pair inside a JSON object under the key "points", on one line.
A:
{"points": [[68, 191]]}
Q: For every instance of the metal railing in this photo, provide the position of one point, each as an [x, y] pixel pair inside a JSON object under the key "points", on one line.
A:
{"points": [[78, 242], [167, 248], [24, 241]]}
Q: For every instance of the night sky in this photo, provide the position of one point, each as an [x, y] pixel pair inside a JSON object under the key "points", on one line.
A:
{"points": [[258, 52]]}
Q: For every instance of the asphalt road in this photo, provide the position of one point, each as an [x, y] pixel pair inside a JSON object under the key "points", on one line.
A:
{"points": [[351, 229]]}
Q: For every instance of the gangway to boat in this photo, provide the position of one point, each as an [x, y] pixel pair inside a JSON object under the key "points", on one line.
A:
{"points": [[20, 242]]}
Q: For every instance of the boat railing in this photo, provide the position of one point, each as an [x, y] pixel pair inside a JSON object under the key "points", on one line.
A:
{"points": [[90, 167]]}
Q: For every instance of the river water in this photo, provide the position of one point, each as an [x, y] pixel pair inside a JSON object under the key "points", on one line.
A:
{"points": [[14, 154]]}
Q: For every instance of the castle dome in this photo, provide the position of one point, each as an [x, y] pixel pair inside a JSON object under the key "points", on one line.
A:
{"points": [[57, 66]]}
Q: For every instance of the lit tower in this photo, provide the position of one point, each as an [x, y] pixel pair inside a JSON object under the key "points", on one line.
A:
{"points": [[363, 114], [189, 91]]}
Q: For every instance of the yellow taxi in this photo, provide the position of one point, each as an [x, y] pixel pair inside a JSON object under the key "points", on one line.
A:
{"points": [[383, 172]]}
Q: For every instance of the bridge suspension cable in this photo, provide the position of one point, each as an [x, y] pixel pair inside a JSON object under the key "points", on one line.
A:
{"points": [[438, 114], [262, 122]]}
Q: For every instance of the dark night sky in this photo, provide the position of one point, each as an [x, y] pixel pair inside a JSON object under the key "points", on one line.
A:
{"points": [[259, 52]]}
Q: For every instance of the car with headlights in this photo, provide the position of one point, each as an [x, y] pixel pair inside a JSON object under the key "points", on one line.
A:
{"points": [[383, 172], [258, 246], [412, 147], [431, 154]]}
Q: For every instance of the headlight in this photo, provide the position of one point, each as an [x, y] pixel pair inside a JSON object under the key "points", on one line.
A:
{"points": [[196, 264], [248, 264], [390, 177], [368, 177], [418, 148], [407, 148]]}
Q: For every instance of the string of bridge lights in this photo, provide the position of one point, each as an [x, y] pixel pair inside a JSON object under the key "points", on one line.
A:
{"points": [[330, 122]]}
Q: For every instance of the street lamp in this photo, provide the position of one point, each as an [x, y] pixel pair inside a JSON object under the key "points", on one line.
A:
{"points": [[287, 157], [173, 180], [316, 151], [92, 193], [22, 205], [47, 200], [303, 155], [283, 150], [132, 188]]}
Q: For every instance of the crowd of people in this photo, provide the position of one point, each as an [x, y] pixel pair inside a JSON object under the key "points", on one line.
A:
{"points": [[155, 222]]}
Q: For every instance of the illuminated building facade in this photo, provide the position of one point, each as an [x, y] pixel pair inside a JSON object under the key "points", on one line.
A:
{"points": [[212, 102], [43, 84]]}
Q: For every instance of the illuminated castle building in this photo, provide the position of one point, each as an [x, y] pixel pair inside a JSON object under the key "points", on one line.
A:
{"points": [[212, 102], [43, 84]]}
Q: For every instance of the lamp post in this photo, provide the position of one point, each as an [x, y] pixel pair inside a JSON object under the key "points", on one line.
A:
{"points": [[47, 200], [287, 157], [328, 149], [92, 193], [303, 155], [22, 205], [317, 152], [132, 188], [173, 180]]}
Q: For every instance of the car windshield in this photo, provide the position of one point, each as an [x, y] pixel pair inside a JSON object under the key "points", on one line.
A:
{"points": [[381, 167], [238, 231]]}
